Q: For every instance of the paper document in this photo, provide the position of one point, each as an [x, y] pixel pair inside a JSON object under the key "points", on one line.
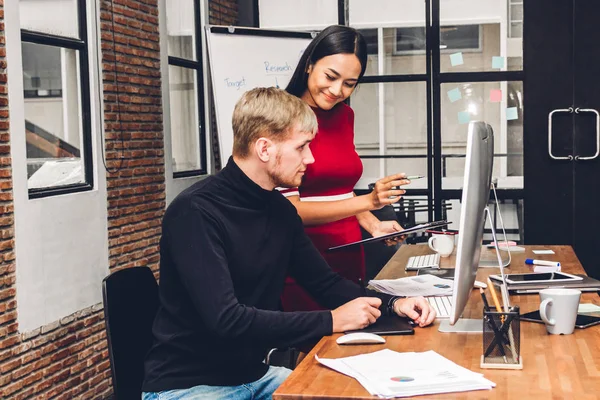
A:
{"points": [[388, 373], [588, 308], [420, 285]]}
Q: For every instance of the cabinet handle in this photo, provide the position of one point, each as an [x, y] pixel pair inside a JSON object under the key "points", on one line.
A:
{"points": [[582, 110], [567, 110]]}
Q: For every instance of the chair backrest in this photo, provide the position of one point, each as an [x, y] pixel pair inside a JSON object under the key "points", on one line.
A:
{"points": [[130, 304]]}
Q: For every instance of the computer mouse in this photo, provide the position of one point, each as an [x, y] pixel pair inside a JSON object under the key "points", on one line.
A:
{"points": [[360, 338], [479, 285]]}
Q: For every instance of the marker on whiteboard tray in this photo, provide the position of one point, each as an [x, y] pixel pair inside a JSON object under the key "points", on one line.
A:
{"points": [[531, 261]]}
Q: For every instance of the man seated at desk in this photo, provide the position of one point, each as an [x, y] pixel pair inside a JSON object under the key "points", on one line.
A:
{"points": [[227, 244]]}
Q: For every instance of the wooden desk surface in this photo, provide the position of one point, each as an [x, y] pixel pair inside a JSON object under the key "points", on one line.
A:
{"points": [[554, 366]]}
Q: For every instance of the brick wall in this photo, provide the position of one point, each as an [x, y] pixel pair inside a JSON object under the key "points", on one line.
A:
{"points": [[69, 358], [134, 132], [65, 359], [223, 12]]}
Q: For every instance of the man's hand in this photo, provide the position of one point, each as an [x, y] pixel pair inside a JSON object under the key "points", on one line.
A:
{"points": [[415, 308], [356, 314]]}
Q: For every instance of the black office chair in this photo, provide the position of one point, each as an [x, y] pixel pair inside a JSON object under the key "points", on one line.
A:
{"points": [[130, 304]]}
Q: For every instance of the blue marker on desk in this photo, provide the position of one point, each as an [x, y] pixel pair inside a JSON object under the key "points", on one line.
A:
{"points": [[531, 261]]}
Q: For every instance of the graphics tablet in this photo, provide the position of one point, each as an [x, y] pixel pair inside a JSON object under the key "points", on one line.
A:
{"points": [[582, 321], [389, 325]]}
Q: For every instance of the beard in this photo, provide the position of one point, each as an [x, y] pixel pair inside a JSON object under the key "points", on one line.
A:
{"points": [[281, 179]]}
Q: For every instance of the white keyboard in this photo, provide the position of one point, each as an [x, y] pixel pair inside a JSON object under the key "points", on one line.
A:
{"points": [[426, 261], [441, 304]]}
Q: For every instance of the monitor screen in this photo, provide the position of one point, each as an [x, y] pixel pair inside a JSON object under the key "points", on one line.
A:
{"points": [[475, 196]]}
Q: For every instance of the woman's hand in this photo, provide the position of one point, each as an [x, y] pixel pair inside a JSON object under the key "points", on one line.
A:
{"points": [[386, 227], [386, 190]]}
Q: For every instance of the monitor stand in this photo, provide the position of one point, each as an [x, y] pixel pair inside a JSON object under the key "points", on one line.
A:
{"points": [[462, 326], [476, 325], [484, 263]]}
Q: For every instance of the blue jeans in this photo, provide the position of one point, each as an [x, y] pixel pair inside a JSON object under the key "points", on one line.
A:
{"points": [[261, 389]]}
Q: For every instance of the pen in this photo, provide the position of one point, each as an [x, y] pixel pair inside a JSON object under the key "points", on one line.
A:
{"points": [[363, 291], [531, 261], [485, 302], [412, 177]]}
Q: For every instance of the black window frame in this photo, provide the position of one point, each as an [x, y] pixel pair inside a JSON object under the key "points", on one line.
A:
{"points": [[434, 78], [81, 45], [197, 66]]}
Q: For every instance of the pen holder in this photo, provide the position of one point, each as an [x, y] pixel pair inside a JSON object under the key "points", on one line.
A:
{"points": [[501, 340]]}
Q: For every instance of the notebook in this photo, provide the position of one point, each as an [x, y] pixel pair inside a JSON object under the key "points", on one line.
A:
{"points": [[389, 325]]}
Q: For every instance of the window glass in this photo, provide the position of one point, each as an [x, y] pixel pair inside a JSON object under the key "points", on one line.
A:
{"points": [[500, 104], [403, 123], [52, 116], [396, 59], [55, 17], [497, 26], [181, 29], [184, 119]]}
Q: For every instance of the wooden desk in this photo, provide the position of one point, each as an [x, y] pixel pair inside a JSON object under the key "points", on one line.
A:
{"points": [[554, 366]]}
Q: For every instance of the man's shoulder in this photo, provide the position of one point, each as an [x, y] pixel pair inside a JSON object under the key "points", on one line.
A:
{"points": [[196, 196]]}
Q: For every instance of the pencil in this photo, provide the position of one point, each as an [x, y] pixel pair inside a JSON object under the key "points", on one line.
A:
{"points": [[494, 296], [502, 319]]}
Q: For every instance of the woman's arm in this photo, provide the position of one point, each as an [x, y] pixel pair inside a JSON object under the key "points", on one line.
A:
{"points": [[320, 212]]}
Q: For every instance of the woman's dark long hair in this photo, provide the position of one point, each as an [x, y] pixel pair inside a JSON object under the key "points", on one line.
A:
{"points": [[335, 39]]}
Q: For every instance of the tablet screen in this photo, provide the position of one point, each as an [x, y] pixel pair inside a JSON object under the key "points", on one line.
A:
{"points": [[583, 321], [541, 277]]}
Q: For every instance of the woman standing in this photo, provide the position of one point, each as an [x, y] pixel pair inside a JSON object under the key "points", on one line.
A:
{"points": [[326, 75]]}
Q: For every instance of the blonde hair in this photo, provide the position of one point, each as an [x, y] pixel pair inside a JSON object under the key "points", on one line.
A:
{"points": [[268, 112]]}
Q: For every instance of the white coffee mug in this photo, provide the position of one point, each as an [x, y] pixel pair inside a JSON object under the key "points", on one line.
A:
{"points": [[442, 244], [558, 309]]}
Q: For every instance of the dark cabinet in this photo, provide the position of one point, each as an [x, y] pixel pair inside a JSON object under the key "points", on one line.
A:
{"points": [[562, 126]]}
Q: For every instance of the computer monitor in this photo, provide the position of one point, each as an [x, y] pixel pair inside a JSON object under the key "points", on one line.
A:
{"points": [[475, 196]]}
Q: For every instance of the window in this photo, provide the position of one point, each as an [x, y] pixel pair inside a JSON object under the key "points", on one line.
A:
{"points": [[56, 96], [452, 38], [515, 19], [186, 88]]}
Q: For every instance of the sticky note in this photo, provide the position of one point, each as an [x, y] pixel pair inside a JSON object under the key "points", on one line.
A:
{"points": [[496, 95], [454, 95], [543, 252], [511, 113], [497, 62], [456, 59], [464, 117]]}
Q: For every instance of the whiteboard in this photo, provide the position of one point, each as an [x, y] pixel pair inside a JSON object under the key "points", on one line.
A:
{"points": [[245, 59]]}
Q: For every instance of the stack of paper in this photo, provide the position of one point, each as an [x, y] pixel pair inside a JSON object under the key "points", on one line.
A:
{"points": [[421, 285], [388, 374]]}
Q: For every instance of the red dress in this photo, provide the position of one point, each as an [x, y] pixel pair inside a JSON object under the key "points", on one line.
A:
{"points": [[332, 176]]}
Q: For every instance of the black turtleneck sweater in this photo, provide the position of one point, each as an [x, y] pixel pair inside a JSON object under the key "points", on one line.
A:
{"points": [[226, 248]]}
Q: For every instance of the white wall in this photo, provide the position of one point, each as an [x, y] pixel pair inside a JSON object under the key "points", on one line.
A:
{"points": [[61, 242]]}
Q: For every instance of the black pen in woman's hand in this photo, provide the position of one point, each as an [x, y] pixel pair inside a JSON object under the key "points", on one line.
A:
{"points": [[363, 291]]}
